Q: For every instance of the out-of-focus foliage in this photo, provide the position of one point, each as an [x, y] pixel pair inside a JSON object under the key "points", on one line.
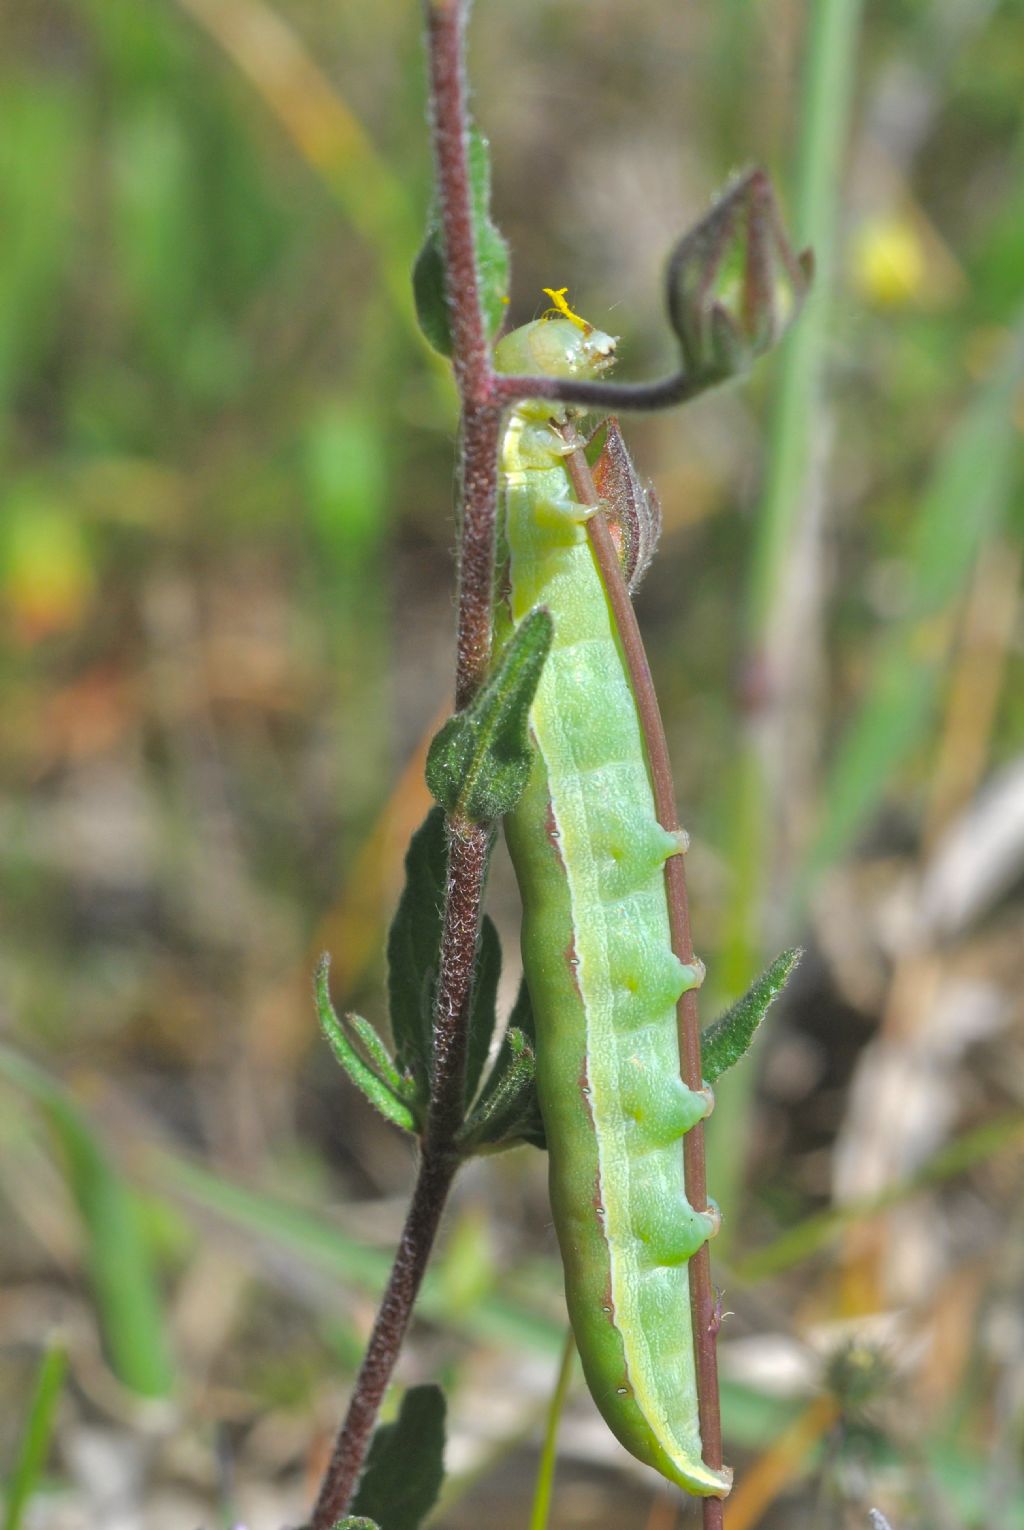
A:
{"points": [[226, 631]]}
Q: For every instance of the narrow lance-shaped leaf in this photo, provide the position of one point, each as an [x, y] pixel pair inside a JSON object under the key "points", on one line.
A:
{"points": [[508, 1111], [729, 1038], [505, 1115], [405, 1466], [385, 1098], [377, 1055], [483, 1015], [479, 763], [35, 1441], [414, 942], [492, 264]]}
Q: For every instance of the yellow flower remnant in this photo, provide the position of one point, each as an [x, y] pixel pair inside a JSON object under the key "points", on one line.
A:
{"points": [[560, 305]]}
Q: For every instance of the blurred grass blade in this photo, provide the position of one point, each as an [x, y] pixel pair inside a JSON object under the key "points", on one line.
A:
{"points": [[269, 52], [35, 1441], [310, 1236], [41, 139], [816, 1232], [827, 81], [969, 496], [120, 1270], [827, 77]]}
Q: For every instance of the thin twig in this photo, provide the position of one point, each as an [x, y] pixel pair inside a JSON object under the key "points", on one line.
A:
{"points": [[702, 1301], [609, 397], [432, 1185]]}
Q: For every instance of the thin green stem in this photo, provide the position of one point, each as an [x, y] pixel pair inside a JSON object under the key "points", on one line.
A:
{"points": [[549, 1453], [824, 115]]}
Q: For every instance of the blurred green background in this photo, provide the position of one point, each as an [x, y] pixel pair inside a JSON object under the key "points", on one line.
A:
{"points": [[226, 632]]}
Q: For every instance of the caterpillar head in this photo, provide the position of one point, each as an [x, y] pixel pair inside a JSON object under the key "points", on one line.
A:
{"points": [[559, 345]]}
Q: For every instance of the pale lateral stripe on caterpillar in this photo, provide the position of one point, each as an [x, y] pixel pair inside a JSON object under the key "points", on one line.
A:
{"points": [[589, 855]]}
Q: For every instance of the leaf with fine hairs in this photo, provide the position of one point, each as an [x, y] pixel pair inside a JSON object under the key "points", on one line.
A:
{"points": [[492, 263], [729, 1038], [405, 1466], [479, 763]]}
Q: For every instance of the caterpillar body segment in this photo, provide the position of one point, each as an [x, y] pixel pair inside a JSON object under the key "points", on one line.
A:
{"points": [[589, 855]]}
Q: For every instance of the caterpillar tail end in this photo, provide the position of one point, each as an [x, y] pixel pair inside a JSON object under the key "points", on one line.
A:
{"points": [[703, 1481]]}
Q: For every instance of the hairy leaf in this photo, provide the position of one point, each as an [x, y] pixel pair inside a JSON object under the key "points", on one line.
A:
{"points": [[492, 264], [508, 1111], [389, 1100], [506, 1114], [729, 1038], [405, 1466], [484, 1014], [378, 1056], [479, 763], [414, 943]]}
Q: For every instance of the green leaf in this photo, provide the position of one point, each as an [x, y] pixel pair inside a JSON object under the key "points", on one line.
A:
{"points": [[321, 1243], [379, 1057], [405, 1466], [483, 1016], [507, 1110], [522, 1017], [35, 1441], [356, 1522], [383, 1096], [729, 1038], [120, 1269], [492, 264], [414, 942], [479, 763]]}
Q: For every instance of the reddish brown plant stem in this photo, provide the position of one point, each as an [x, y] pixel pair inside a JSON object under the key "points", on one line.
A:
{"points": [[471, 355], [468, 850], [468, 844], [702, 1301], [336, 1491]]}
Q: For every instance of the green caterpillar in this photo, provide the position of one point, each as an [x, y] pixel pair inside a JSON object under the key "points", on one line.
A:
{"points": [[589, 854]]}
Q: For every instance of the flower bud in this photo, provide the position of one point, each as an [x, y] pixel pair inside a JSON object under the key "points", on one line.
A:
{"points": [[734, 282]]}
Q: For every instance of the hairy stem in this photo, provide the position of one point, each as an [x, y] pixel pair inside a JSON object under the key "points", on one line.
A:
{"points": [[468, 844], [702, 1300], [336, 1491]]}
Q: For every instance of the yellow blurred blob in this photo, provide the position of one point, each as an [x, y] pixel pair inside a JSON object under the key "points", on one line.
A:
{"points": [[46, 571], [889, 264]]}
